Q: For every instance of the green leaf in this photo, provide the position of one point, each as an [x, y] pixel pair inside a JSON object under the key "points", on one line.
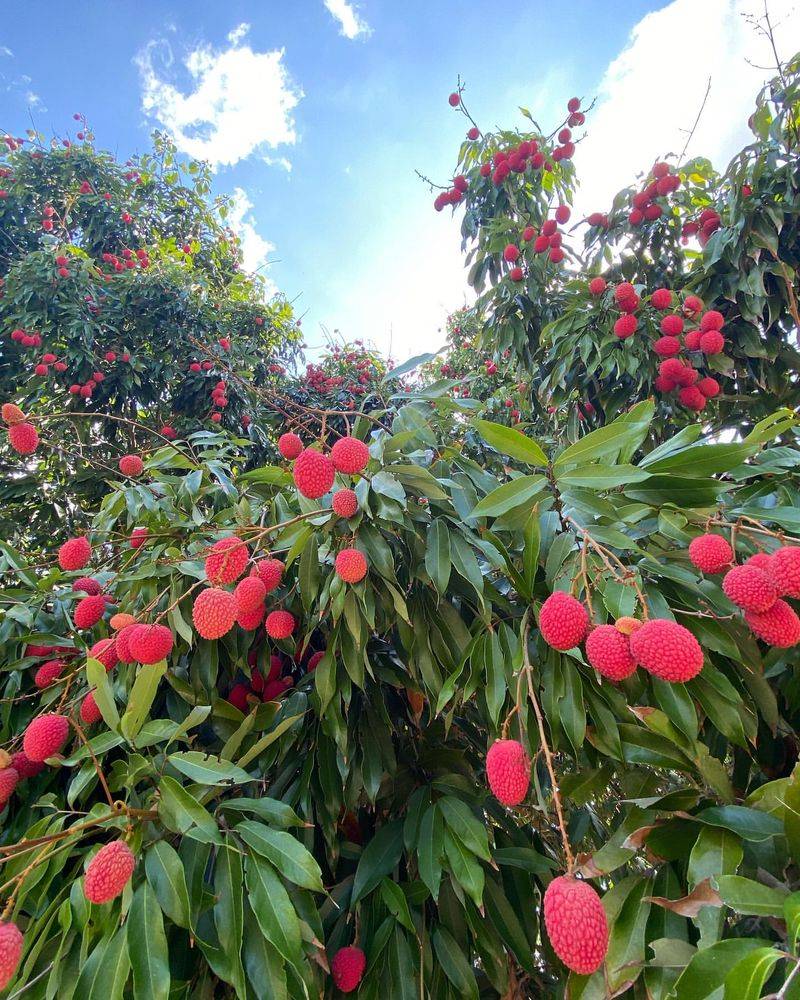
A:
{"points": [[273, 811], [288, 855], [141, 697], [750, 824], [626, 432], [466, 826], [180, 811], [147, 946], [437, 555], [380, 856], [746, 979], [105, 972], [509, 441], [709, 967], [396, 902], [431, 849], [601, 477], [751, 898], [273, 909], [408, 366], [466, 870], [165, 874], [208, 770], [97, 677], [454, 963], [509, 496]]}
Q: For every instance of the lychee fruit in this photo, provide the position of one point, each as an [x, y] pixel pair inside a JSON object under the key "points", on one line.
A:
{"points": [[711, 320], [24, 767], [86, 585], [214, 612], [270, 572], [75, 553], [667, 347], [344, 503], [89, 611], [12, 414], [661, 298], [511, 254], [667, 650], [290, 445], [710, 553], [779, 626], [279, 624], [47, 673], [785, 570], [597, 286], [108, 872], [672, 326], [609, 652], [121, 643], [11, 944], [351, 565], [708, 386], [105, 652], [45, 736], [250, 620], [227, 560], [712, 342], [249, 594], [90, 713], [626, 326], [313, 473], [138, 537], [131, 465], [9, 779], [349, 455], [750, 588], [23, 438], [691, 397], [576, 924], [150, 644], [508, 769], [238, 696], [348, 964], [563, 621]]}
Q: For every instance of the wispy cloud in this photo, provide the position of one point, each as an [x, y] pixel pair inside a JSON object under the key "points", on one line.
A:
{"points": [[6, 51], [351, 23], [255, 249], [239, 101]]}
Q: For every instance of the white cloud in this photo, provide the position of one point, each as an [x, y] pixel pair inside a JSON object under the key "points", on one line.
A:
{"points": [[255, 249], [6, 51], [351, 24], [650, 94], [34, 101], [239, 100]]}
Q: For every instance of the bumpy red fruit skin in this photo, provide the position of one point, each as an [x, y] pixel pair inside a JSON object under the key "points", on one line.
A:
{"points": [[351, 565], [12, 414], [609, 652], [314, 661], [238, 695], [23, 438], [761, 559], [349, 455], [661, 298], [779, 626], [150, 643], [710, 553], [348, 965], [227, 560], [249, 594], [597, 286], [290, 445], [625, 326], [105, 652], [214, 612], [121, 643], [10, 952], [508, 770], [87, 585], [313, 473], [345, 503], [667, 650], [576, 924], [89, 611], [47, 673], [108, 872], [270, 571], [712, 342], [75, 553], [785, 570], [250, 620], [9, 779], [138, 538], [131, 465], [45, 737], [24, 767], [279, 624], [563, 621], [712, 320], [90, 713], [750, 588]]}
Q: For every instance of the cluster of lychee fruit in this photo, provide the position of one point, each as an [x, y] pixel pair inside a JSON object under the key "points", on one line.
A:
{"points": [[548, 239], [644, 204], [704, 227], [758, 586], [22, 435]]}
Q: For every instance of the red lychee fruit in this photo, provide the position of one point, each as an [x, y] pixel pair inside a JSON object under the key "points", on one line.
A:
{"points": [[541, 243], [314, 661], [517, 274], [661, 298], [290, 445], [609, 652], [453, 100], [45, 736], [23, 438], [563, 621], [9, 779], [710, 553], [138, 537], [626, 326], [712, 342], [86, 585], [667, 650], [108, 872], [279, 624], [238, 696], [227, 560], [576, 924], [149, 643], [270, 571], [249, 594], [24, 767], [89, 611], [779, 626], [691, 397], [785, 570], [75, 553], [131, 465], [47, 673], [348, 964], [667, 347], [313, 473], [345, 503], [692, 305], [473, 133], [573, 104], [90, 713], [105, 652], [121, 643], [250, 620], [351, 565], [711, 320], [214, 612], [750, 588], [349, 455], [12, 414], [508, 769], [672, 325], [510, 254], [761, 559], [709, 387], [597, 286], [563, 213], [11, 944]]}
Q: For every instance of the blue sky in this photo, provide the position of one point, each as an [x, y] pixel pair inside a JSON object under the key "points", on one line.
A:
{"points": [[316, 112]]}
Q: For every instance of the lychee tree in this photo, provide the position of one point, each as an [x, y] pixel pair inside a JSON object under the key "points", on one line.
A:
{"points": [[430, 706]]}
